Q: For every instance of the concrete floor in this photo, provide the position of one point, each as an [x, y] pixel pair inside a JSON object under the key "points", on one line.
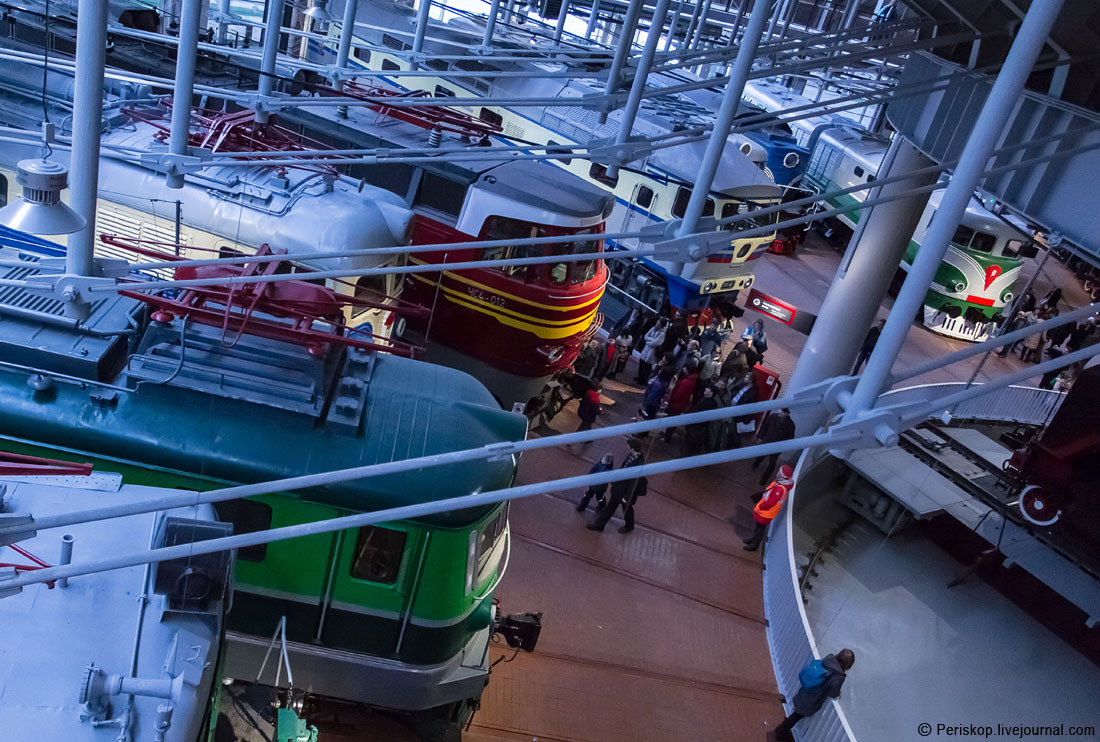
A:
{"points": [[926, 653]]}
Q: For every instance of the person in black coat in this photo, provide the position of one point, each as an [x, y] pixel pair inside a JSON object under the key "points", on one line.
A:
{"points": [[623, 492], [1027, 302], [778, 427], [695, 435], [808, 701], [746, 393], [676, 336], [868, 347], [606, 463]]}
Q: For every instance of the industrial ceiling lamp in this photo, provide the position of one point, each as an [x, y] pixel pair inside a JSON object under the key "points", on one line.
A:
{"points": [[318, 11], [40, 210]]}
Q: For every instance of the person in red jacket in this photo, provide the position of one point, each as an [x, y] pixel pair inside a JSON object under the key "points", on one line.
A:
{"points": [[769, 505], [589, 408], [680, 396]]}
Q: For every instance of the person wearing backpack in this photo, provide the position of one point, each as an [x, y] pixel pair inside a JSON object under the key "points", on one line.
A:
{"points": [[819, 680]]}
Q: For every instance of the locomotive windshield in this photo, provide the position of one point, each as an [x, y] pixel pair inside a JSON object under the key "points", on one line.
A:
{"points": [[733, 208], [507, 228]]}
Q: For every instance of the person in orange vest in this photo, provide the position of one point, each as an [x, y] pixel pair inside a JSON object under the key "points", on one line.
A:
{"points": [[769, 505]]}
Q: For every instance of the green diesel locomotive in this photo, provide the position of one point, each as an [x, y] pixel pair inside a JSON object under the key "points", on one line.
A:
{"points": [[397, 617]]}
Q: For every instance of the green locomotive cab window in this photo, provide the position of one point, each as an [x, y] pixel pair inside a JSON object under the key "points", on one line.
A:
{"points": [[247, 516], [378, 553], [962, 235], [983, 242], [485, 550], [1012, 248]]}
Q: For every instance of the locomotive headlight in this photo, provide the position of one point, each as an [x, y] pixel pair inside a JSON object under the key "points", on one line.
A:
{"points": [[553, 353], [791, 160], [959, 287], [708, 287]]}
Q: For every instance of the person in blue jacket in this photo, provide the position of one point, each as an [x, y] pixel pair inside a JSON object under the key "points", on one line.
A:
{"points": [[819, 681], [606, 463]]}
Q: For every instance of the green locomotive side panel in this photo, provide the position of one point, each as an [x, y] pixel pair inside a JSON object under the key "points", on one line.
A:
{"points": [[843, 201], [297, 566]]}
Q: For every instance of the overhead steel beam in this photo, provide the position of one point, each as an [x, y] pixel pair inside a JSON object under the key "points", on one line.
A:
{"points": [[91, 62]]}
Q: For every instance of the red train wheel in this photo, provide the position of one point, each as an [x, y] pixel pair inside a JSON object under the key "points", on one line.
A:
{"points": [[1039, 506]]}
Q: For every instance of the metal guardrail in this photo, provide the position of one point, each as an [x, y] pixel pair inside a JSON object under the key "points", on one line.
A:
{"points": [[1022, 405], [790, 639]]}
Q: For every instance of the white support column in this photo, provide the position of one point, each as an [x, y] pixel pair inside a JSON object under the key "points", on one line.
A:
{"points": [[592, 18], [780, 9], [223, 26], [91, 56], [737, 21], [731, 98], [490, 25], [343, 51], [271, 52], [689, 34], [559, 28], [186, 53], [630, 20], [863, 277], [695, 40], [1002, 99], [672, 26], [850, 14], [788, 16], [421, 31], [645, 63]]}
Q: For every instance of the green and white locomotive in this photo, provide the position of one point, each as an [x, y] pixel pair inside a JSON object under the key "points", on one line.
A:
{"points": [[975, 281]]}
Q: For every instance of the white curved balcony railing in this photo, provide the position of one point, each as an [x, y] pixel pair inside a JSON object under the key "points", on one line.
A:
{"points": [[1022, 405], [790, 638]]}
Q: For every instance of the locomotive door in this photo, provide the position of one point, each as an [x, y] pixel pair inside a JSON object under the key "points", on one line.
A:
{"points": [[373, 570], [642, 203], [282, 578]]}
